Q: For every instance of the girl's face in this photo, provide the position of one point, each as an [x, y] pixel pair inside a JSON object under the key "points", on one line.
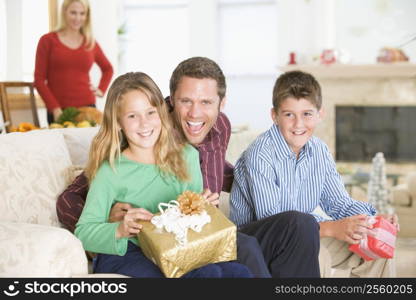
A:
{"points": [[75, 15], [139, 121]]}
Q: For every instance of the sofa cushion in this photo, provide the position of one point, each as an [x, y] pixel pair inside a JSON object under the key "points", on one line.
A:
{"points": [[78, 141], [31, 250], [34, 171], [239, 142]]}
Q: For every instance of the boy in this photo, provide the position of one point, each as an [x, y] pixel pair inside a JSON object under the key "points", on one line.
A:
{"points": [[288, 169]]}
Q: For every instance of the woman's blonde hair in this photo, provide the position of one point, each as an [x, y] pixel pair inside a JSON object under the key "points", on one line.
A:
{"points": [[110, 141], [86, 29]]}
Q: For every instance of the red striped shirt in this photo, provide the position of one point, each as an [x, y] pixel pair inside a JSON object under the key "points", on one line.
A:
{"points": [[217, 173]]}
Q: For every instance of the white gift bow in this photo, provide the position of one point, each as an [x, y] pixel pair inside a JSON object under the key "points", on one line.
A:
{"points": [[174, 221]]}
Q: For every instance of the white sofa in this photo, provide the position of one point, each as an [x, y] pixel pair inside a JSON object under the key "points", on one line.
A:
{"points": [[35, 167]]}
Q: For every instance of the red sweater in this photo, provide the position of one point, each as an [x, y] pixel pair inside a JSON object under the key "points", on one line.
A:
{"points": [[62, 74]]}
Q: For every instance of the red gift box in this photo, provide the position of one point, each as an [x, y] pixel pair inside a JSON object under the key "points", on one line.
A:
{"points": [[379, 242]]}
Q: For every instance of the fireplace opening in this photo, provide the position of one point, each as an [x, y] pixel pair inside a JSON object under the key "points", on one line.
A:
{"points": [[362, 131]]}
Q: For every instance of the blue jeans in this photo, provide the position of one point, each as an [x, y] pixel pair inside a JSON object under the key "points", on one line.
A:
{"points": [[135, 264], [250, 254]]}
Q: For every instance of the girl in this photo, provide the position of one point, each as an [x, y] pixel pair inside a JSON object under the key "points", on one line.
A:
{"points": [[136, 159], [64, 59]]}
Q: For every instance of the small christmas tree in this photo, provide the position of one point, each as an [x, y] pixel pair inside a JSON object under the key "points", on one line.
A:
{"points": [[378, 194]]}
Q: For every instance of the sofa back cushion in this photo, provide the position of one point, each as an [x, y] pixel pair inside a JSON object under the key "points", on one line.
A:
{"points": [[239, 142], [78, 141], [33, 172]]}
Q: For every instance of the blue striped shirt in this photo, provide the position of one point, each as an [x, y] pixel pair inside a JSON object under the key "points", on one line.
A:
{"points": [[268, 179]]}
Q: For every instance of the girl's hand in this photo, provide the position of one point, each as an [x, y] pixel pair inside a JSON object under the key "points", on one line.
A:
{"points": [[351, 229], [129, 226], [213, 198], [393, 219]]}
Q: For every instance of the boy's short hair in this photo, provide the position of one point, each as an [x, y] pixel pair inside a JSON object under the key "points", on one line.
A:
{"points": [[297, 84], [198, 67]]}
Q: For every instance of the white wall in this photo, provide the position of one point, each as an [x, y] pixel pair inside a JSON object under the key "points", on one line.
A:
{"points": [[364, 27], [14, 67], [105, 22], [3, 40], [204, 28]]}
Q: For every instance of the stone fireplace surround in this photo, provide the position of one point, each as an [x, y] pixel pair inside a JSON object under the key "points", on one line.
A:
{"points": [[362, 85]]}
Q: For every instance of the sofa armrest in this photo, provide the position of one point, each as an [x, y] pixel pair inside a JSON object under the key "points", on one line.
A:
{"points": [[400, 195], [225, 204], [32, 250]]}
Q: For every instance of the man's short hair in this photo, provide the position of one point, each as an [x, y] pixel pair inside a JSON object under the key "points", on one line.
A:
{"points": [[297, 84], [198, 67]]}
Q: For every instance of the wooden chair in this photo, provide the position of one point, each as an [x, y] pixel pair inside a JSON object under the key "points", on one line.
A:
{"points": [[5, 101]]}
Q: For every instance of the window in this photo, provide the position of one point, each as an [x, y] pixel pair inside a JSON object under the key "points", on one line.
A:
{"points": [[35, 23], [25, 21], [156, 38], [248, 33], [248, 56]]}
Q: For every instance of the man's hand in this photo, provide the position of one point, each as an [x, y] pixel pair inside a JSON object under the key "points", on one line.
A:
{"points": [[129, 226], [350, 230], [393, 219], [213, 198], [118, 211]]}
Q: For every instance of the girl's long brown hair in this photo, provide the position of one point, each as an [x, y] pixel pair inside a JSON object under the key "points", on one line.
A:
{"points": [[110, 141]]}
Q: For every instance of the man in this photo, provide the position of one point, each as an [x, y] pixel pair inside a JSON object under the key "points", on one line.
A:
{"points": [[197, 95]]}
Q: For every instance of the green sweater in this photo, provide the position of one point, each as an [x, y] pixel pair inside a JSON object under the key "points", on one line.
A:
{"points": [[141, 185]]}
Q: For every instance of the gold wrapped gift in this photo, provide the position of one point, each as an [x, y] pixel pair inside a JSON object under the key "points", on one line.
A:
{"points": [[215, 243]]}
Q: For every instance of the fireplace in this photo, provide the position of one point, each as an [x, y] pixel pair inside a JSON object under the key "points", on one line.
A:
{"points": [[362, 131]]}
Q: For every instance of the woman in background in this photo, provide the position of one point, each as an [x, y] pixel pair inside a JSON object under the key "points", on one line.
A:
{"points": [[64, 59]]}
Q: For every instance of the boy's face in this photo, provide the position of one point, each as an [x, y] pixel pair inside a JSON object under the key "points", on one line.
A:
{"points": [[196, 105], [297, 119]]}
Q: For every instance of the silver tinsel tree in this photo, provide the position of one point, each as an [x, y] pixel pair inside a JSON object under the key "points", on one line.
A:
{"points": [[378, 194]]}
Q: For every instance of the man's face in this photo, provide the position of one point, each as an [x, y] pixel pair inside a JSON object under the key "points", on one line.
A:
{"points": [[297, 120], [196, 105]]}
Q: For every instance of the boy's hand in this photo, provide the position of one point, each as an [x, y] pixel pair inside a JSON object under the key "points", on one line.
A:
{"points": [[118, 211], [393, 219], [350, 230], [213, 198], [129, 226]]}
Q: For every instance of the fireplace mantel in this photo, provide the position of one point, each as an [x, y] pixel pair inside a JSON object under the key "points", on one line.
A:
{"points": [[344, 71]]}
